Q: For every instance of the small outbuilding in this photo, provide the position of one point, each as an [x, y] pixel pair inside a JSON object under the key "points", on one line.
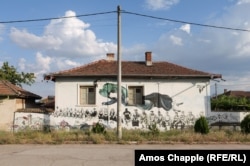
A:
{"points": [[13, 98]]}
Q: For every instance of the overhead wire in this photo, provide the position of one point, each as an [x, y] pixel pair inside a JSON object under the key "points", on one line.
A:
{"points": [[55, 18], [186, 22], [131, 13], [127, 12]]}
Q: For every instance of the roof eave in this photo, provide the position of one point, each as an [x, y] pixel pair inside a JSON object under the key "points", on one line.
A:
{"points": [[21, 96], [209, 76], [7, 95]]}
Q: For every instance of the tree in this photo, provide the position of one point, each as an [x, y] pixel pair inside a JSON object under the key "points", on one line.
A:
{"points": [[11, 74]]}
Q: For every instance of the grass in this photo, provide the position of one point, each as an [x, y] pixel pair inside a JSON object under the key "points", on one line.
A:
{"points": [[128, 136]]}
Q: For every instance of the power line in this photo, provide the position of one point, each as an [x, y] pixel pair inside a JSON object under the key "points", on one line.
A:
{"points": [[186, 22], [55, 18], [126, 12]]}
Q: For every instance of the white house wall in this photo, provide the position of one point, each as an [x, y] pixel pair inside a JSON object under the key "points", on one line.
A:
{"points": [[190, 100]]}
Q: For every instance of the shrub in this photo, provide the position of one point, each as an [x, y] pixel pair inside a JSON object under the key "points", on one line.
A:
{"points": [[98, 129], [153, 129], [245, 124], [201, 125]]}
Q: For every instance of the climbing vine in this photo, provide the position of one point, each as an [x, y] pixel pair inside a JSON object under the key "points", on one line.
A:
{"points": [[230, 103]]}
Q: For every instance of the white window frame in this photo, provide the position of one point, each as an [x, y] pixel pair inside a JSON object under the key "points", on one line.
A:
{"points": [[87, 101], [133, 98]]}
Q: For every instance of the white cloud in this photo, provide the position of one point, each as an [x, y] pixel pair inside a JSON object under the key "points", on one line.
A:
{"points": [[68, 38], [71, 63], [28, 40], [176, 40], [62, 64], [243, 46], [204, 40], [240, 2], [43, 62], [40, 67], [186, 28], [136, 51], [212, 50], [221, 51], [160, 4], [21, 64], [65, 43]]}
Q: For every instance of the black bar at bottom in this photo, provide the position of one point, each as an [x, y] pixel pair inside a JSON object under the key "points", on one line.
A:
{"points": [[191, 157]]}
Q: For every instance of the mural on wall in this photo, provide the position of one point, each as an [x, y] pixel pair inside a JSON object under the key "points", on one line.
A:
{"points": [[223, 117], [159, 109], [33, 121], [131, 117], [110, 88], [158, 100], [151, 100]]}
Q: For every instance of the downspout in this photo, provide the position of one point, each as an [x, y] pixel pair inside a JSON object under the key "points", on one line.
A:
{"points": [[158, 97], [13, 125], [107, 104], [23, 103], [208, 101]]}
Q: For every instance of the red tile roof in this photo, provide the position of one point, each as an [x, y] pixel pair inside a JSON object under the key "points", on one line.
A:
{"points": [[237, 93], [133, 69], [8, 89]]}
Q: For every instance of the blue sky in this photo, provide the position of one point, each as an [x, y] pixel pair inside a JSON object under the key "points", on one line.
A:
{"points": [[53, 45]]}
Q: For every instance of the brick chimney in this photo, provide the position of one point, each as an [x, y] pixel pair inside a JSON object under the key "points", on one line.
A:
{"points": [[148, 58], [110, 56]]}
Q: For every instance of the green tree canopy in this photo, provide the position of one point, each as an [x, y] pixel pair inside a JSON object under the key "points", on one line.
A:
{"points": [[11, 74]]}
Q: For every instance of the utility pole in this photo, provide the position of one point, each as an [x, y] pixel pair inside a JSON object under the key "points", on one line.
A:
{"points": [[119, 77], [215, 86]]}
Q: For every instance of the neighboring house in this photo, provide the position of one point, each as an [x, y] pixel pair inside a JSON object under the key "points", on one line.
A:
{"points": [[231, 101], [163, 93], [35, 118], [13, 98], [229, 107], [48, 102], [235, 93]]}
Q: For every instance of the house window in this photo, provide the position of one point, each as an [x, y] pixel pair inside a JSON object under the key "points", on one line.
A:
{"points": [[87, 95], [135, 95]]}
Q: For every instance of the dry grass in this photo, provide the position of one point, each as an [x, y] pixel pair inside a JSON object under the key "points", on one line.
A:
{"points": [[128, 136]]}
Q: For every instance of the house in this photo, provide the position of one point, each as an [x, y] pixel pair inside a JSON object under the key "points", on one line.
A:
{"points": [[231, 101], [161, 93], [35, 118], [48, 102], [229, 108], [13, 98], [235, 93]]}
